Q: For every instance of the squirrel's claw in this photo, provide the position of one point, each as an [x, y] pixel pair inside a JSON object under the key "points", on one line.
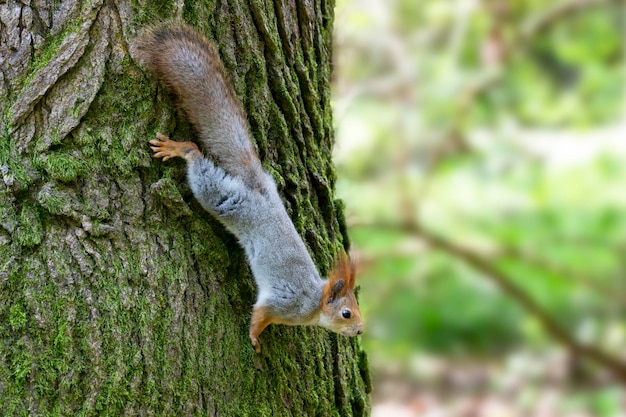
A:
{"points": [[255, 344]]}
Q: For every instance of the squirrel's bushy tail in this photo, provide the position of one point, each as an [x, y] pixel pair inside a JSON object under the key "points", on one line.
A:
{"points": [[191, 69]]}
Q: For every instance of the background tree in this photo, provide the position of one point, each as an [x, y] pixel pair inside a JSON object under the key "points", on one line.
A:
{"points": [[120, 295]]}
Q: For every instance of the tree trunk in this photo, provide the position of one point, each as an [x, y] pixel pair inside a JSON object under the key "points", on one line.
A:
{"points": [[119, 295]]}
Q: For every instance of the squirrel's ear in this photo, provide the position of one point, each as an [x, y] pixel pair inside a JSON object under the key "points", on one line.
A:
{"points": [[335, 291], [344, 269], [351, 272]]}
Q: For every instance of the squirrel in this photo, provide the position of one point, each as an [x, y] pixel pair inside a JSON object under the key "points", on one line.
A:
{"points": [[229, 182]]}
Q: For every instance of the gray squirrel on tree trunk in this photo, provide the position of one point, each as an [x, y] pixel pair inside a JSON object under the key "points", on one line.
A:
{"points": [[230, 183]]}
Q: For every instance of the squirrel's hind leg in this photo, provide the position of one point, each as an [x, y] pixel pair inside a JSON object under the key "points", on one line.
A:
{"points": [[167, 149], [261, 318]]}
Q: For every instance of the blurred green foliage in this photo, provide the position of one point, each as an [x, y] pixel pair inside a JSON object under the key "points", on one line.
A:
{"points": [[500, 126]]}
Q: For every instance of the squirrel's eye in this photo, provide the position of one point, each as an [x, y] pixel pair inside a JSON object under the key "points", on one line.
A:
{"points": [[346, 313]]}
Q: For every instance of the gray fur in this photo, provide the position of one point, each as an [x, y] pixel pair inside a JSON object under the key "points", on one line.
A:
{"points": [[287, 280]]}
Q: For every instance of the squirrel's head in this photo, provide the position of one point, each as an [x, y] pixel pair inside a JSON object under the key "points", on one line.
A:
{"points": [[339, 310]]}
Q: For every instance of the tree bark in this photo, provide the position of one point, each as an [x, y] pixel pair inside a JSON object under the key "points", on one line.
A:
{"points": [[119, 294]]}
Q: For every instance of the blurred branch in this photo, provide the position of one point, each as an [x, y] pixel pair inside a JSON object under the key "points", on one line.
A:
{"points": [[529, 258], [536, 261], [507, 285], [539, 23]]}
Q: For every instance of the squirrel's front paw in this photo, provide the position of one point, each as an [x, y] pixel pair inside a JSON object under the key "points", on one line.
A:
{"points": [[166, 148], [255, 344]]}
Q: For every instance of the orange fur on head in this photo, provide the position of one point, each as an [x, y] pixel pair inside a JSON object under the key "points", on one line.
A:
{"points": [[344, 269], [339, 310]]}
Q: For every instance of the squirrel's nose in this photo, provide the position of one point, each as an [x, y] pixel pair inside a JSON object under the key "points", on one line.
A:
{"points": [[360, 331]]}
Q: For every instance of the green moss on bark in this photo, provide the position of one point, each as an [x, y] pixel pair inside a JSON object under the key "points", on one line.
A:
{"points": [[126, 298]]}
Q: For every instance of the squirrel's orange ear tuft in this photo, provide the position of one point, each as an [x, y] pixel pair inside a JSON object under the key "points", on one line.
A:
{"points": [[345, 270], [337, 289]]}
